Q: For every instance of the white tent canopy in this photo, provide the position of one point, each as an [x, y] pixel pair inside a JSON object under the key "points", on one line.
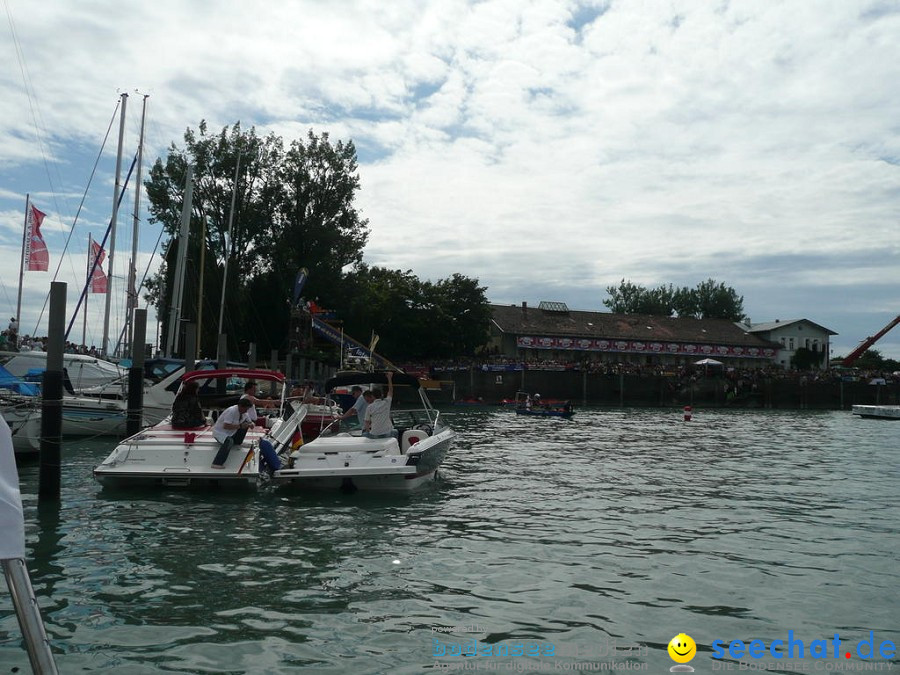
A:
{"points": [[708, 362]]}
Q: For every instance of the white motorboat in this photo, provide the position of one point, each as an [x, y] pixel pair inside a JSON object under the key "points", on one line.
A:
{"points": [[164, 456], [349, 461], [880, 412]]}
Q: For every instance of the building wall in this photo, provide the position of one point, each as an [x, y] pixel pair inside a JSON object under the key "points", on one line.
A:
{"points": [[795, 335]]}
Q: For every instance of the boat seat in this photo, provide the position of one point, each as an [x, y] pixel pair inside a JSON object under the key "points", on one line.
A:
{"points": [[410, 438]]}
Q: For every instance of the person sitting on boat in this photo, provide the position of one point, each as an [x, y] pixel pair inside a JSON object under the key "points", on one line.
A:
{"points": [[186, 410], [361, 402], [230, 429], [378, 422]]}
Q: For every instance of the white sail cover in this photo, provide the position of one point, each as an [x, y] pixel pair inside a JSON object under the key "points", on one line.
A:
{"points": [[12, 523]]}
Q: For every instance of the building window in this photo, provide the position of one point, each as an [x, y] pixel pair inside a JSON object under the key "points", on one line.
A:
{"points": [[791, 343], [807, 343], [782, 342]]}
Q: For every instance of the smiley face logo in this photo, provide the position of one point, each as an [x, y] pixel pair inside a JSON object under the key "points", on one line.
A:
{"points": [[682, 648]]}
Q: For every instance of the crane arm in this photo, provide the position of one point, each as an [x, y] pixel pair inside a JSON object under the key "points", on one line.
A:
{"points": [[852, 357]]}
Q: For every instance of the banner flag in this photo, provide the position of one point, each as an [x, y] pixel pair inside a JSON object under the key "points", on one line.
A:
{"points": [[98, 279], [37, 259]]}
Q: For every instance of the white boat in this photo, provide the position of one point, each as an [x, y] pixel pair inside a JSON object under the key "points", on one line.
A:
{"points": [[163, 456], [84, 371], [349, 461], [881, 412], [101, 410]]}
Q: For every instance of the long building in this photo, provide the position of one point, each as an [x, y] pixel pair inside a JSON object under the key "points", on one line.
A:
{"points": [[551, 331]]}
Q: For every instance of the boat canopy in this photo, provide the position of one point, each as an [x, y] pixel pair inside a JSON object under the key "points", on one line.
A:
{"points": [[351, 378], [246, 373]]}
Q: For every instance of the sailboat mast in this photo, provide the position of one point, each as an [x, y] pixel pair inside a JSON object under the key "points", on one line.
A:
{"points": [[22, 261], [88, 277], [178, 281], [200, 290], [237, 169], [132, 271], [112, 237]]}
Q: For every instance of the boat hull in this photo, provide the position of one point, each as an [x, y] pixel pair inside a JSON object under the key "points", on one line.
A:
{"points": [[879, 412], [352, 463]]}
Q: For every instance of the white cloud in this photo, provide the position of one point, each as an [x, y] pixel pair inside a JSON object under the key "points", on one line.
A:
{"points": [[662, 142]]}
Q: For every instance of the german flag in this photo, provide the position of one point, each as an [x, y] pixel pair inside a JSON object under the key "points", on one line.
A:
{"points": [[297, 438]]}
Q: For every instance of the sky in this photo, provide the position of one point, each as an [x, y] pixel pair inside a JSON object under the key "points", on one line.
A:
{"points": [[548, 148]]}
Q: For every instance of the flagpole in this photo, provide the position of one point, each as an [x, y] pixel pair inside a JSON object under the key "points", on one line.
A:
{"points": [[22, 264], [104, 349]]}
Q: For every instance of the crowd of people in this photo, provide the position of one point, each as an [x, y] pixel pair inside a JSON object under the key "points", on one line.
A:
{"points": [[689, 371]]}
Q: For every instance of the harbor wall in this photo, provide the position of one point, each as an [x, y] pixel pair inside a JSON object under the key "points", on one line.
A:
{"points": [[645, 390]]}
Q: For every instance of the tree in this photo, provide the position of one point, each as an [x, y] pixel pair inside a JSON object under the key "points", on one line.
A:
{"points": [[710, 300], [292, 208], [413, 319], [806, 359], [717, 301]]}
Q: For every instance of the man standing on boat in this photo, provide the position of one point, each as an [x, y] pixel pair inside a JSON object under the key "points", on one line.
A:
{"points": [[230, 429], [378, 422]]}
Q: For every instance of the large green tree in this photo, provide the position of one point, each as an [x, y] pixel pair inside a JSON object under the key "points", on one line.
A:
{"points": [[292, 207]]}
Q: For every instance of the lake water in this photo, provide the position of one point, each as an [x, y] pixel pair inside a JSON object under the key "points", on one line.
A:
{"points": [[615, 529]]}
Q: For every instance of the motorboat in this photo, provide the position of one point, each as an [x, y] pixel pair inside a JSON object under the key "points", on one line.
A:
{"points": [[879, 412], [527, 404], [164, 456], [346, 460]]}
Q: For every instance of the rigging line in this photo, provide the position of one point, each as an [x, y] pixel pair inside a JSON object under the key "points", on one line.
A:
{"points": [[78, 213], [97, 258], [26, 79], [143, 278]]}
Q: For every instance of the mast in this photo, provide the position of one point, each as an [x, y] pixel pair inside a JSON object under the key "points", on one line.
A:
{"points": [[132, 270], [88, 273], [237, 168], [22, 262], [200, 290], [178, 284], [112, 239]]}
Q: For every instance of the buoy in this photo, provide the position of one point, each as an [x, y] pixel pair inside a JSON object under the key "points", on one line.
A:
{"points": [[687, 413]]}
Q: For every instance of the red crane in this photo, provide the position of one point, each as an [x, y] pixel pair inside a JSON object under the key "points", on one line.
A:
{"points": [[851, 358]]}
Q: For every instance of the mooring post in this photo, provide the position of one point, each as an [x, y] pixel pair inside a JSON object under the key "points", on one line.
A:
{"points": [[52, 394], [136, 374]]}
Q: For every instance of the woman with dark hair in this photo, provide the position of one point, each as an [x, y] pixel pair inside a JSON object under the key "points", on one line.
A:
{"points": [[186, 410]]}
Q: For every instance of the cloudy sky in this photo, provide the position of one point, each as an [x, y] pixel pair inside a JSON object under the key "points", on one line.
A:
{"points": [[549, 148]]}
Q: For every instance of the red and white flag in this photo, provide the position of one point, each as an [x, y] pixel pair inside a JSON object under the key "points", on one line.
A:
{"points": [[98, 278], [36, 257]]}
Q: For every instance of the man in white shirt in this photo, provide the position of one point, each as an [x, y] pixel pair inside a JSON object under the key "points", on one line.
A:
{"points": [[378, 422], [230, 429]]}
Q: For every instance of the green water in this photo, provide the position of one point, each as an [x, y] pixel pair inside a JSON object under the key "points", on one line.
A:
{"points": [[625, 527]]}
